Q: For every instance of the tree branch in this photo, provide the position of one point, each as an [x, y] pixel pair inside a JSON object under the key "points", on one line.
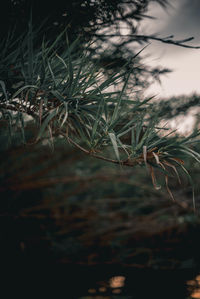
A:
{"points": [[145, 38], [88, 152]]}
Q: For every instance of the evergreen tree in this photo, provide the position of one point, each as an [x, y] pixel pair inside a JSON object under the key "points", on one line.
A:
{"points": [[60, 88]]}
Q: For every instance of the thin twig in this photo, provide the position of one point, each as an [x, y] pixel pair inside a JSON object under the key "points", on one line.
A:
{"points": [[145, 38], [88, 152]]}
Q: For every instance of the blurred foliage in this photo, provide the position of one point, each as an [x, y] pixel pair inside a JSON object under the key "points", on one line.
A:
{"points": [[113, 26], [76, 199], [179, 105]]}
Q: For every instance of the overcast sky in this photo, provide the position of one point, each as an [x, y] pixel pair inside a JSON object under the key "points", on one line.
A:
{"points": [[182, 19]]}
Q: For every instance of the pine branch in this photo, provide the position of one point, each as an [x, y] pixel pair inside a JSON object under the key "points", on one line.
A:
{"points": [[146, 38], [92, 154]]}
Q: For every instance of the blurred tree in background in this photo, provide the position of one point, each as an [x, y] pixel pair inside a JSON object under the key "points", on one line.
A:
{"points": [[113, 26]]}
